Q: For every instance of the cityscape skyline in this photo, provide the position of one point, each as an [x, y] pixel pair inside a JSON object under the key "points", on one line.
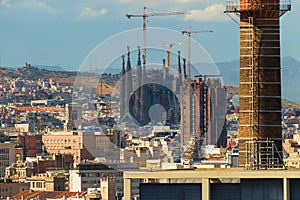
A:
{"points": [[51, 33], [106, 109]]}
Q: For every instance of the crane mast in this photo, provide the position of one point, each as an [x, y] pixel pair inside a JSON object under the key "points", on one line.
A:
{"points": [[170, 45], [188, 33], [144, 16]]}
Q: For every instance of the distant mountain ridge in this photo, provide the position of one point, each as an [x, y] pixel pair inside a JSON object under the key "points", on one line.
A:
{"points": [[34, 73], [290, 74], [46, 67], [286, 104]]}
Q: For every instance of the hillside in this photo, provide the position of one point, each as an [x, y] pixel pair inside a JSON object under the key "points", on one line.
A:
{"points": [[62, 77], [290, 75], [228, 70], [234, 90]]}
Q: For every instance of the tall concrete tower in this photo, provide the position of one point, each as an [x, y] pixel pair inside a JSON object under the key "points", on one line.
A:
{"points": [[260, 136]]}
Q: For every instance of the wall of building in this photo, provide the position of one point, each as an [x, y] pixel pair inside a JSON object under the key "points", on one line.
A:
{"points": [[64, 143], [31, 144], [7, 156], [11, 189]]}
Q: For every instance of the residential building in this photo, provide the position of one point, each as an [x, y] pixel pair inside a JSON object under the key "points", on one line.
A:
{"points": [[7, 156], [10, 189], [47, 182], [88, 175], [67, 143], [29, 145]]}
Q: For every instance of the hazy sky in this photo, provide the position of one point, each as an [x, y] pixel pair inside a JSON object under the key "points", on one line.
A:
{"points": [[63, 32]]}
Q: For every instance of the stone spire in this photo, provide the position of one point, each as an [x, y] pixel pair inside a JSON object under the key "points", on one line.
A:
{"points": [[184, 68], [164, 70], [128, 82], [179, 64], [144, 117], [122, 89], [179, 75], [137, 105]]}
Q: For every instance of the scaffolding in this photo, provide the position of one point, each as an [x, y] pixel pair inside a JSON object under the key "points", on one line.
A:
{"points": [[251, 120], [263, 154], [234, 7], [259, 81], [251, 74]]}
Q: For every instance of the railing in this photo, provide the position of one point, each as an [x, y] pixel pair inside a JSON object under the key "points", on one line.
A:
{"points": [[236, 7]]}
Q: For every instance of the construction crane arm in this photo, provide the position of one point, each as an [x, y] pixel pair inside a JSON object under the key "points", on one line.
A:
{"points": [[172, 44], [129, 16], [166, 14], [200, 31], [156, 14], [204, 31]]}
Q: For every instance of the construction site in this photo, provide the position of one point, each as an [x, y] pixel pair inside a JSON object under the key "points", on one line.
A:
{"points": [[261, 173], [260, 135]]}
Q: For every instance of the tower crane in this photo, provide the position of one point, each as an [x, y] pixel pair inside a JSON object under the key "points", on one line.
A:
{"points": [[188, 33], [145, 15], [170, 45]]}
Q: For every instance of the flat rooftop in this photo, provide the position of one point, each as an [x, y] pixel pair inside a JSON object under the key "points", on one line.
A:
{"points": [[214, 173]]}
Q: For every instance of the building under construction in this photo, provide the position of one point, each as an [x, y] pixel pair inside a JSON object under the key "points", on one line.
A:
{"points": [[141, 89], [197, 104], [260, 145]]}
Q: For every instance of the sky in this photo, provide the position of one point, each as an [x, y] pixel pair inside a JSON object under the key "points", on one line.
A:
{"points": [[63, 33]]}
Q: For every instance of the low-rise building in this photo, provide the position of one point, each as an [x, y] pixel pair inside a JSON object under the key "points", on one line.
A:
{"points": [[67, 143], [11, 189], [48, 182], [87, 175], [7, 156], [20, 170]]}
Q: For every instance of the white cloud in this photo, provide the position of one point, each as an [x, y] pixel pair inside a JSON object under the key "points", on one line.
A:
{"points": [[211, 13], [89, 13], [28, 5], [5, 3]]}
